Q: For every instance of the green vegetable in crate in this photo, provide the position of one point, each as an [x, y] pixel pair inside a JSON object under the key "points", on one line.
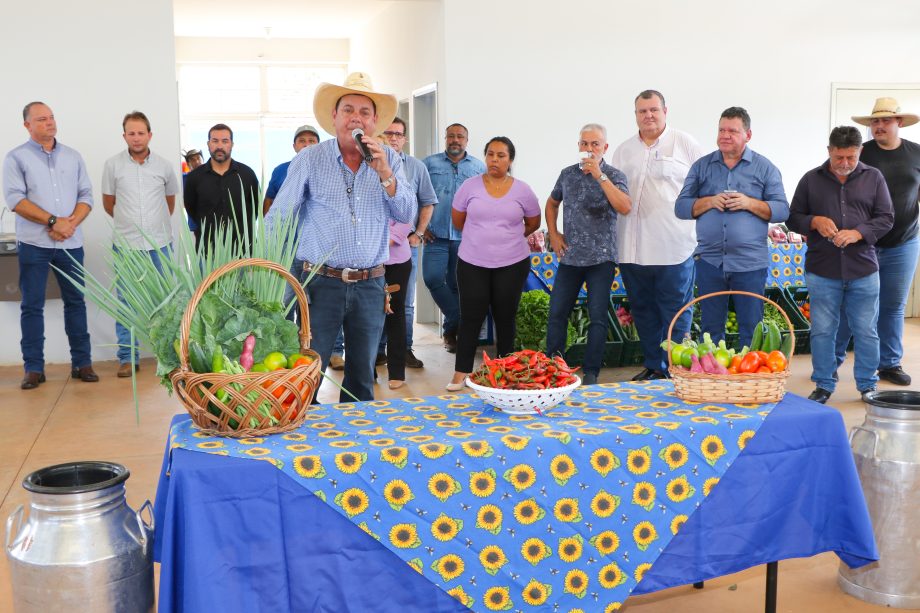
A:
{"points": [[532, 319]]}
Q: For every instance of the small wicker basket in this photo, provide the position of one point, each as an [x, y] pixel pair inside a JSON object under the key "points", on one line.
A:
{"points": [[288, 392], [746, 388]]}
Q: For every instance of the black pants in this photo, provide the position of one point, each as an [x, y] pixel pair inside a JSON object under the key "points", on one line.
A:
{"points": [[396, 321], [481, 289]]}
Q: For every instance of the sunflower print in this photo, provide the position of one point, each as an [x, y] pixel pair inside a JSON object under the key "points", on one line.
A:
{"points": [[363, 525], [610, 576], [397, 456], [712, 449], [604, 504], [521, 476], [343, 444], [675, 455], [409, 429], [492, 558], [353, 501], [309, 466], [477, 449], [528, 511], [570, 548], [564, 437], [536, 593], [497, 599], [638, 461], [677, 523], [603, 461], [613, 606], [350, 462], [404, 536], [605, 542], [332, 434], [534, 550], [576, 583], [459, 433], [704, 419], [254, 440], [640, 571], [381, 442], [515, 442], [449, 566], [679, 489], [746, 436], [294, 436], [644, 495], [398, 494], [591, 431], [465, 599], [501, 429], [299, 447], [445, 528], [644, 534], [489, 517], [566, 509], [433, 451], [210, 445], [562, 468], [482, 484], [667, 425], [442, 486], [708, 484]]}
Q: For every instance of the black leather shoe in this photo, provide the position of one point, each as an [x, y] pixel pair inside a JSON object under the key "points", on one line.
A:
{"points": [[381, 359], [644, 375], [412, 361], [31, 380], [895, 375], [657, 374], [85, 374], [589, 379], [820, 395], [450, 341]]}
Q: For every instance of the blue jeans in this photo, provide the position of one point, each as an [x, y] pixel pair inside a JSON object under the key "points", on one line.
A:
{"points": [[358, 309], [34, 264], [896, 268], [655, 294], [566, 286], [122, 333], [410, 308], [714, 311], [439, 271], [859, 299], [296, 269]]}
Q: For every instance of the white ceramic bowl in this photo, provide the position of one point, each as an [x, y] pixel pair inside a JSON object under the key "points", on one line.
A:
{"points": [[523, 402]]}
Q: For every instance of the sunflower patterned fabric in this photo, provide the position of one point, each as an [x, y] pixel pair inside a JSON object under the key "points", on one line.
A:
{"points": [[562, 511], [787, 264], [544, 265]]}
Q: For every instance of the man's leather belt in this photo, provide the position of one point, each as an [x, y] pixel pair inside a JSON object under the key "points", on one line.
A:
{"points": [[348, 275]]}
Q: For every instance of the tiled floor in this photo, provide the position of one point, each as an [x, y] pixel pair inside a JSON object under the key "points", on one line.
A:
{"points": [[64, 420]]}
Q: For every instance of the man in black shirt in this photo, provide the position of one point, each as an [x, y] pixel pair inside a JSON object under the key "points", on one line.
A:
{"points": [[899, 161], [221, 190]]}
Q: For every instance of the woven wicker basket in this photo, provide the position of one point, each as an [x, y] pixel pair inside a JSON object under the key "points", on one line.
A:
{"points": [[747, 388], [288, 392]]}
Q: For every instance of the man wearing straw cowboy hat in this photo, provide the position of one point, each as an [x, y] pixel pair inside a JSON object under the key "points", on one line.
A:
{"points": [[899, 161], [345, 198]]}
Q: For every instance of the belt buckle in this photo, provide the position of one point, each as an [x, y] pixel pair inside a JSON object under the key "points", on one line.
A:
{"points": [[346, 272]]}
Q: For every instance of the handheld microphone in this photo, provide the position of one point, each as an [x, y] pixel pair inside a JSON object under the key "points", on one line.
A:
{"points": [[356, 134]]}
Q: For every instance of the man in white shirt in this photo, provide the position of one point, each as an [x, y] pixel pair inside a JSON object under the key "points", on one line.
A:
{"points": [[139, 192], [654, 247]]}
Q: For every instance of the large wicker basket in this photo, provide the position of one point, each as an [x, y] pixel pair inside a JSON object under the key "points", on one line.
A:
{"points": [[747, 388], [288, 392]]}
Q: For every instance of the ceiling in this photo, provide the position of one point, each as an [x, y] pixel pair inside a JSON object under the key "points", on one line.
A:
{"points": [[275, 18]]}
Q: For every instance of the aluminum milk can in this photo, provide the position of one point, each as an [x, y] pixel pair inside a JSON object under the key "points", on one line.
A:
{"points": [[81, 548], [886, 449]]}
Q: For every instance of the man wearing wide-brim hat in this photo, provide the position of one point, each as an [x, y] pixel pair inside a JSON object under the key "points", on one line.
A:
{"points": [[899, 161], [345, 202]]}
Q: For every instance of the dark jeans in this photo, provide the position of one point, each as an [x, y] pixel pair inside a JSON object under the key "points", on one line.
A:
{"points": [[34, 263], [482, 289], [358, 309], [439, 271], [714, 311], [655, 294], [566, 286], [396, 321]]}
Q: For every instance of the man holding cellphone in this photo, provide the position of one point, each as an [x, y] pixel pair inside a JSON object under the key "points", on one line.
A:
{"points": [[733, 194]]}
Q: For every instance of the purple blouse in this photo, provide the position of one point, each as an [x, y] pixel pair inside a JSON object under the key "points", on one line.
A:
{"points": [[399, 242]]}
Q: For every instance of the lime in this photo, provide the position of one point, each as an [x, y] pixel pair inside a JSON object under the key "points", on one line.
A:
{"points": [[685, 359], [293, 358], [275, 360], [722, 357], [677, 353], [260, 367]]}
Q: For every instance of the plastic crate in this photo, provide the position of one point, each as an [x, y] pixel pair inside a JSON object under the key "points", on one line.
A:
{"points": [[800, 325], [613, 350], [798, 295]]}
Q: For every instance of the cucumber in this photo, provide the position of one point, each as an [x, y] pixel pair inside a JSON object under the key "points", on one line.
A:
{"points": [[787, 344], [772, 337], [757, 339]]}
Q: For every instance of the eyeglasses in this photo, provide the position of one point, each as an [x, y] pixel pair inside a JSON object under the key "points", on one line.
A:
{"points": [[389, 134]]}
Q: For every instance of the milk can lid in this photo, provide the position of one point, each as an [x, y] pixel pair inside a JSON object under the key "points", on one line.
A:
{"points": [[75, 477], [905, 400]]}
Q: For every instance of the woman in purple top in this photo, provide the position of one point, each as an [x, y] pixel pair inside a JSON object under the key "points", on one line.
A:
{"points": [[496, 213], [398, 268]]}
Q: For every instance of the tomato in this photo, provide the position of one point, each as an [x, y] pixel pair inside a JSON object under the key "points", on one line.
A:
{"points": [[302, 361], [732, 370], [777, 362], [764, 369], [736, 362], [762, 355], [293, 358], [749, 363], [275, 360]]}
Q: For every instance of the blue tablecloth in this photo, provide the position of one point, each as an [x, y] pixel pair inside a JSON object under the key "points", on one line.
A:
{"points": [[787, 264], [542, 275], [241, 535]]}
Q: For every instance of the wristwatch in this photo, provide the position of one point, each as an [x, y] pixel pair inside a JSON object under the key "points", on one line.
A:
{"points": [[388, 182], [420, 236], [51, 221], [602, 178]]}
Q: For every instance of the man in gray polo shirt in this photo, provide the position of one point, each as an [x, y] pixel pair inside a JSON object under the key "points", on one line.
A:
{"points": [[139, 192]]}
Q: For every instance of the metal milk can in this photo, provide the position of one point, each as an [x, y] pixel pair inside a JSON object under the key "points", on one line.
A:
{"points": [[82, 548], [886, 449]]}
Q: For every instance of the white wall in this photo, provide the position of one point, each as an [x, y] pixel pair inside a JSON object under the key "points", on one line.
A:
{"points": [[262, 50], [92, 63]]}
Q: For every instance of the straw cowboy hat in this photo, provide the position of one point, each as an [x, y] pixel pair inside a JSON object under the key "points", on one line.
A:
{"points": [[887, 107], [327, 95]]}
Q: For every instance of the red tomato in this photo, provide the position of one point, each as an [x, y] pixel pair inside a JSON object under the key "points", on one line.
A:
{"points": [[749, 363]]}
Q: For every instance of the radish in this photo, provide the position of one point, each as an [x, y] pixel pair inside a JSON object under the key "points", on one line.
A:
{"points": [[246, 359]]}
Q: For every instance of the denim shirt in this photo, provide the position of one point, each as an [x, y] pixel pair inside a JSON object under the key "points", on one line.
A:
{"points": [[447, 177], [735, 240]]}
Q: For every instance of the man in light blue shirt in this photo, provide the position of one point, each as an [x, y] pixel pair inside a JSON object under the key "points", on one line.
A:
{"points": [[46, 184], [732, 194], [448, 171], [344, 203]]}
